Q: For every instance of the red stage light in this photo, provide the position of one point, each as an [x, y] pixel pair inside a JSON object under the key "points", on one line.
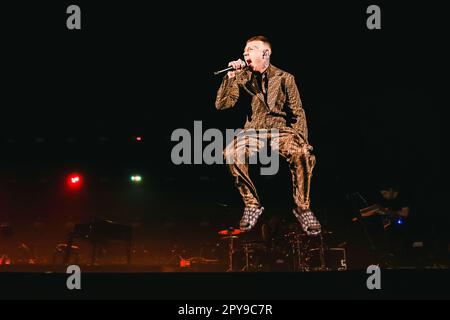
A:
{"points": [[185, 263], [75, 181]]}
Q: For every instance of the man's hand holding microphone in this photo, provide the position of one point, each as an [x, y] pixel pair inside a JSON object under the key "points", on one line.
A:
{"points": [[238, 66], [234, 67]]}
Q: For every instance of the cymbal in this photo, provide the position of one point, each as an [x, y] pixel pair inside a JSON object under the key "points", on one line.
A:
{"points": [[303, 234], [230, 232], [229, 237]]}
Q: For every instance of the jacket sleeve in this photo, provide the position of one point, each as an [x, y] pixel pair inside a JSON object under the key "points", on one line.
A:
{"points": [[295, 104], [228, 93]]}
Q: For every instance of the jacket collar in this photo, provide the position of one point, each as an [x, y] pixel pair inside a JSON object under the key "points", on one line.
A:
{"points": [[274, 79]]}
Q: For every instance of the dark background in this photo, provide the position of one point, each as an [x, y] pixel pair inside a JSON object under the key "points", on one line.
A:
{"points": [[75, 100]]}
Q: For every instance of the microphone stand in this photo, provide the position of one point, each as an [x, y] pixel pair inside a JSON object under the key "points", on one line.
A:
{"points": [[357, 213]]}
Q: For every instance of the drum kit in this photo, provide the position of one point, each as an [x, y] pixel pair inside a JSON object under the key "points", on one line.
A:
{"points": [[295, 251]]}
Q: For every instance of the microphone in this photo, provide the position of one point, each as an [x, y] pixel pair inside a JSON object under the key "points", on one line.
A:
{"points": [[230, 69]]}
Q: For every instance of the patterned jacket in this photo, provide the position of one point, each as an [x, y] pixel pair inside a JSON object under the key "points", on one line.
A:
{"points": [[283, 109]]}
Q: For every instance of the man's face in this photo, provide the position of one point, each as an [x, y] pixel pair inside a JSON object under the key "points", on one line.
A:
{"points": [[254, 55]]}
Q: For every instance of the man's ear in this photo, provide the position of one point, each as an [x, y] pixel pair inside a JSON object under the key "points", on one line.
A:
{"points": [[266, 53]]}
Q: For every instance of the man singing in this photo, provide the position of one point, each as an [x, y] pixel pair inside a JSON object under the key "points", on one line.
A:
{"points": [[275, 107]]}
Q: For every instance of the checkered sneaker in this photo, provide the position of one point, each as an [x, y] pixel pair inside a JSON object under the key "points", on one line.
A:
{"points": [[250, 217], [308, 221]]}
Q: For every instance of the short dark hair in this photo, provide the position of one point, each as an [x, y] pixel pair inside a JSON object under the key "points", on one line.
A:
{"points": [[261, 38]]}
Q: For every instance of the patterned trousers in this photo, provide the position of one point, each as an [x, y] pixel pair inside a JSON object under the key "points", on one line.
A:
{"points": [[288, 145]]}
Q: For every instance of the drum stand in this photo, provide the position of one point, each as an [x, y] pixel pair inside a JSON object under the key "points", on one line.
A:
{"points": [[248, 249], [301, 252], [323, 266], [230, 252]]}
